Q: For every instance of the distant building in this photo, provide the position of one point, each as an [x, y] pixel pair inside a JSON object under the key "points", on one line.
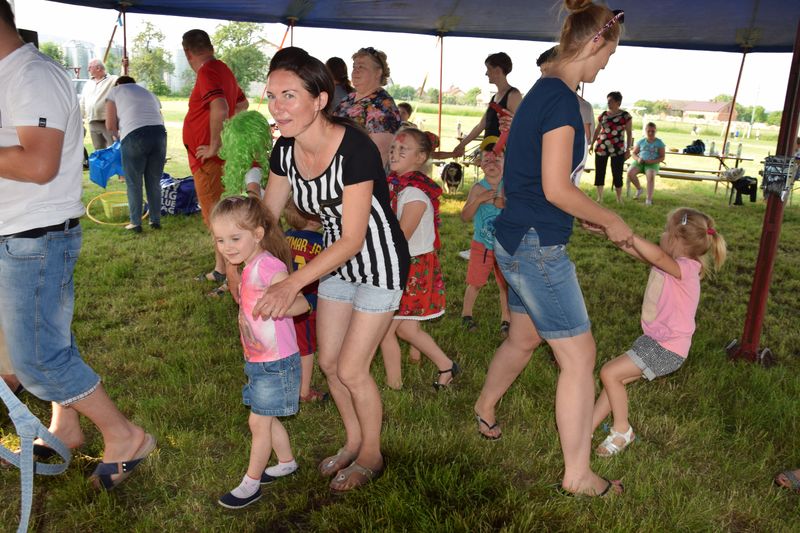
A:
{"points": [[177, 79], [693, 110], [77, 55]]}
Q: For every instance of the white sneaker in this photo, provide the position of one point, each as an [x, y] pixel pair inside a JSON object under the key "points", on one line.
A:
{"points": [[648, 202], [464, 254], [638, 194]]}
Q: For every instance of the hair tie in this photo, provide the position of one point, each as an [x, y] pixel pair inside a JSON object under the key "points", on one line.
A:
{"points": [[711, 231]]}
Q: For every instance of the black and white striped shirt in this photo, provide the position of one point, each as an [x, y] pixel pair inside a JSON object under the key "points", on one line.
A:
{"points": [[383, 261]]}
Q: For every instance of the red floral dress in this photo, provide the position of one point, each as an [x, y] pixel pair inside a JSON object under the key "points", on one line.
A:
{"points": [[424, 295]]}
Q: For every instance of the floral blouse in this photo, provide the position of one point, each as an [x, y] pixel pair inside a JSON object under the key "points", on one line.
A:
{"points": [[376, 112], [611, 140]]}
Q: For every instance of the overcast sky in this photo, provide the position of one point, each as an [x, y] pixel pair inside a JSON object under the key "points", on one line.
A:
{"points": [[639, 73]]}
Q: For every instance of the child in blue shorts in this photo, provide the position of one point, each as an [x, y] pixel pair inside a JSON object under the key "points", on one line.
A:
{"points": [[245, 233]]}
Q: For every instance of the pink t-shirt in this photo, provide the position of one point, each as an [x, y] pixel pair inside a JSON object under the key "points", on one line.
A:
{"points": [[263, 340], [670, 304]]}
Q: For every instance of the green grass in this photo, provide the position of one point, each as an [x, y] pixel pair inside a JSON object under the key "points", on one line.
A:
{"points": [[710, 437]]}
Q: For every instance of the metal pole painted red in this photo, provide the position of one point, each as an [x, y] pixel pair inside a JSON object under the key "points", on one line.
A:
{"points": [[773, 218], [441, 69]]}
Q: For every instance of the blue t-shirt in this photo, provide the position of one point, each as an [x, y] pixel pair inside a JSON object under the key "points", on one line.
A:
{"points": [[549, 105], [649, 150]]}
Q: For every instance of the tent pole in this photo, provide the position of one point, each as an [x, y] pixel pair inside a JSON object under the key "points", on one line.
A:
{"points": [[111, 40], [773, 218], [124, 42], [290, 29], [733, 105], [441, 63]]}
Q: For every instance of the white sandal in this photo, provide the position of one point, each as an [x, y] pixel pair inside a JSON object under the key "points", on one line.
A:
{"points": [[608, 447]]}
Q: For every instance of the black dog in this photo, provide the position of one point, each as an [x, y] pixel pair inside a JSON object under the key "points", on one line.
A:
{"points": [[452, 173]]}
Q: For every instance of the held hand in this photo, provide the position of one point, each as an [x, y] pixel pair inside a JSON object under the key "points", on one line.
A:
{"points": [[619, 233], [276, 301], [458, 151], [592, 228], [499, 202]]}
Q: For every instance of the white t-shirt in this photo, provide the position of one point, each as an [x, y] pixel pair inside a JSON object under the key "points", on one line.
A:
{"points": [[136, 108], [35, 91], [587, 114], [421, 241]]}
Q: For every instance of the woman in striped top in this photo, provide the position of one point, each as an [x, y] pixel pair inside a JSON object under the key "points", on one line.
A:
{"points": [[332, 169]]}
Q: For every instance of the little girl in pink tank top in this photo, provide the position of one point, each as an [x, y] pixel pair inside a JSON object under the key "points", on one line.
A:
{"points": [[690, 248]]}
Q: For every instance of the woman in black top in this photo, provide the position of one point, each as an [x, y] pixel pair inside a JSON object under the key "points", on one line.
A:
{"points": [[498, 67], [332, 169]]}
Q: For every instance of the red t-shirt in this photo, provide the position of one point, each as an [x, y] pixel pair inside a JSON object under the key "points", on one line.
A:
{"points": [[214, 80]]}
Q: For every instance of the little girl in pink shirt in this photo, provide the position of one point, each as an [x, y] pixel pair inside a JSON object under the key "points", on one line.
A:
{"points": [[245, 233], [690, 248]]}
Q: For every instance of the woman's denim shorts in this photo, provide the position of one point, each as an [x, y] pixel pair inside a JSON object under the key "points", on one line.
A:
{"points": [[365, 298], [273, 387], [543, 284]]}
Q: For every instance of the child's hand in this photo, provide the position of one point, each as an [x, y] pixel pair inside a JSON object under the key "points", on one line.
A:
{"points": [[505, 120], [277, 300], [499, 202], [486, 196]]}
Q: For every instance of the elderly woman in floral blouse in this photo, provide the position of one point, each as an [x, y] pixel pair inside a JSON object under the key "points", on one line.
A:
{"points": [[370, 105]]}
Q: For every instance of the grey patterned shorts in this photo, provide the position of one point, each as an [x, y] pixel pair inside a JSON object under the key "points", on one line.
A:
{"points": [[654, 360]]}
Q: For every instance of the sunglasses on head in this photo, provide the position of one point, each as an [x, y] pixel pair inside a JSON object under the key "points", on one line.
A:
{"points": [[374, 53], [619, 16]]}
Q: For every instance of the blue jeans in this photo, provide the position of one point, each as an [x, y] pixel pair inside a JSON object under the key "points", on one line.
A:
{"points": [[542, 283], [144, 151], [36, 302]]}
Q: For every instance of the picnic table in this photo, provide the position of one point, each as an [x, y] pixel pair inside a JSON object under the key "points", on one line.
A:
{"points": [[689, 172]]}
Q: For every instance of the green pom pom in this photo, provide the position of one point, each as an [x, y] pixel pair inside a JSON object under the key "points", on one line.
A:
{"points": [[246, 138]]}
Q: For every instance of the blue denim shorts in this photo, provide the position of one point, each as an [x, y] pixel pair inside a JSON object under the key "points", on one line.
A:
{"points": [[37, 297], [273, 388], [543, 284], [365, 298]]}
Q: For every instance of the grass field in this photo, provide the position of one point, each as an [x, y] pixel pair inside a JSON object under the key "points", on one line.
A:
{"points": [[710, 437]]}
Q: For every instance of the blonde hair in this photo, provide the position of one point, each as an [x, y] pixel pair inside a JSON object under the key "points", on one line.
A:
{"points": [[584, 22], [250, 214], [377, 57], [700, 238]]}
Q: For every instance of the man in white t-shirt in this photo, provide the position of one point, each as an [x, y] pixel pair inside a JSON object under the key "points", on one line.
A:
{"points": [[133, 115], [93, 103], [40, 240]]}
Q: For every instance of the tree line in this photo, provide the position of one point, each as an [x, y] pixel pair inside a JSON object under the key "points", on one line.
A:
{"points": [[238, 44]]}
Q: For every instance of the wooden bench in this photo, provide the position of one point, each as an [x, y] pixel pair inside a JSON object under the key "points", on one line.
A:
{"points": [[688, 174], [692, 176]]}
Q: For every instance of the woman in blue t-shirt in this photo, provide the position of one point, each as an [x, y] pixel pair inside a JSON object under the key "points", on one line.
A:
{"points": [[546, 150]]}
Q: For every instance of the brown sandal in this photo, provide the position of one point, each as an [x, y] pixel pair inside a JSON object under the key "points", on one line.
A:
{"points": [[366, 476], [331, 465]]}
